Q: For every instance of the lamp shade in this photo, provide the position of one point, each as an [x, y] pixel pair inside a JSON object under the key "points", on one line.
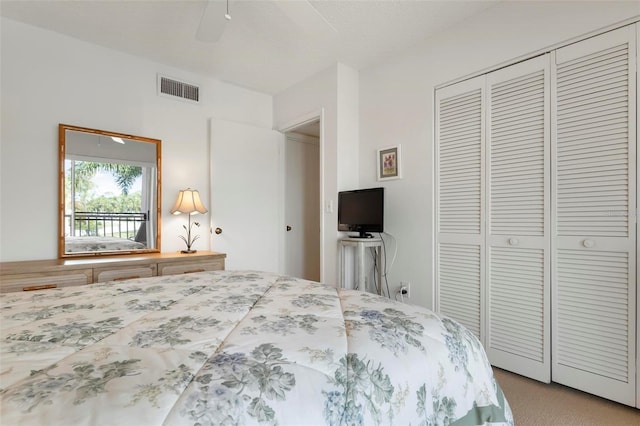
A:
{"points": [[189, 202]]}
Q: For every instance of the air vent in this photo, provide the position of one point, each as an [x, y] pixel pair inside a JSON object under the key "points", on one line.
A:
{"points": [[171, 87]]}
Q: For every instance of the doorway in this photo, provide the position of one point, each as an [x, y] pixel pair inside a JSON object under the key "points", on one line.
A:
{"points": [[250, 207], [302, 206]]}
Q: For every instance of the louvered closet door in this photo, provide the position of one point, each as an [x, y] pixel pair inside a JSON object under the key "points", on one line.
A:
{"points": [[459, 203], [636, 217], [518, 225], [594, 145]]}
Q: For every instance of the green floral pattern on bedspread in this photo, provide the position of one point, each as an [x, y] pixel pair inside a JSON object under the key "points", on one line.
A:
{"points": [[234, 348]]}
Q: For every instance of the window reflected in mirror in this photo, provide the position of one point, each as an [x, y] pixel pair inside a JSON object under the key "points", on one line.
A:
{"points": [[111, 188]]}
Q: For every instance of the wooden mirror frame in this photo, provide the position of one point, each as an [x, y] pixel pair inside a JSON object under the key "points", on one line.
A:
{"points": [[62, 136]]}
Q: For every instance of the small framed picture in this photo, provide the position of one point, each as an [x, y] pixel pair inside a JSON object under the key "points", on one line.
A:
{"points": [[389, 163]]}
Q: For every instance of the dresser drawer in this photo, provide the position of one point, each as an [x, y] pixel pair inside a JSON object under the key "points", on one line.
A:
{"points": [[189, 267], [41, 281], [54, 273], [124, 273]]}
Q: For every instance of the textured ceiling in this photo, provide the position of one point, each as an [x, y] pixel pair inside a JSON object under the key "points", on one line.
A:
{"points": [[261, 47]]}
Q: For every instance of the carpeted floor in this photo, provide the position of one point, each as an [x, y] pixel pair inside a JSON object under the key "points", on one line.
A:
{"points": [[534, 403]]}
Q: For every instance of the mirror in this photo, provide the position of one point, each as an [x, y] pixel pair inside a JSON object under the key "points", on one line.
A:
{"points": [[109, 192]]}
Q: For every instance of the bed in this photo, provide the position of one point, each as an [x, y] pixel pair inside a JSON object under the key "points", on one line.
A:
{"points": [[92, 244], [237, 347]]}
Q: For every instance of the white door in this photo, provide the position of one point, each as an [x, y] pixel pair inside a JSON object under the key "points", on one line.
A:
{"points": [[246, 195], [460, 203], [636, 216], [302, 206], [594, 231], [518, 223]]}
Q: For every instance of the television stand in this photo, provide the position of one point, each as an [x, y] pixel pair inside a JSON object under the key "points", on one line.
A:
{"points": [[360, 275]]}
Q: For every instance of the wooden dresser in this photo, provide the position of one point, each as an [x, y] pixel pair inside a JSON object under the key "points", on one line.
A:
{"points": [[44, 274]]}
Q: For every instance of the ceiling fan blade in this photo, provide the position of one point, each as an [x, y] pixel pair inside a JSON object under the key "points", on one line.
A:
{"points": [[306, 17], [213, 22]]}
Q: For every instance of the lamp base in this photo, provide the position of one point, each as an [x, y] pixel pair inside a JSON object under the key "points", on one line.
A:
{"points": [[188, 251]]}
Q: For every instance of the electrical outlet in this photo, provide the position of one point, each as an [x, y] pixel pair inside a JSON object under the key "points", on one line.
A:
{"points": [[405, 289]]}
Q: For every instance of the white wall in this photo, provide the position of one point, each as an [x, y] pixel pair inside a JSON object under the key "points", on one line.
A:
{"points": [[348, 112], [396, 106], [334, 91], [47, 78]]}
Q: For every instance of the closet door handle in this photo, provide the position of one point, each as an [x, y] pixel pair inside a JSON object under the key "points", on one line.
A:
{"points": [[589, 243], [513, 241]]}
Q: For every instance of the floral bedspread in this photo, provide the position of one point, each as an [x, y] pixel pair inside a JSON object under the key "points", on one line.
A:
{"points": [[90, 244], [236, 347]]}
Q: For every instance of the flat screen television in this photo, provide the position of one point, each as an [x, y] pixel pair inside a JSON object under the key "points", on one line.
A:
{"points": [[361, 211]]}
